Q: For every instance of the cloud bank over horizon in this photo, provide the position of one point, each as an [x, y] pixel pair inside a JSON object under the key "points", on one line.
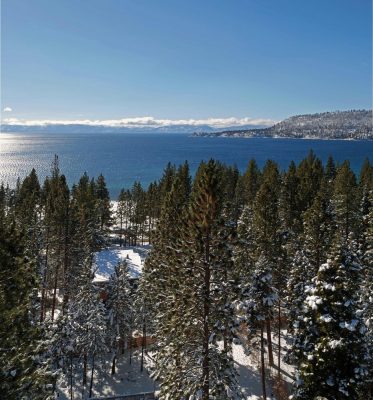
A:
{"points": [[144, 122]]}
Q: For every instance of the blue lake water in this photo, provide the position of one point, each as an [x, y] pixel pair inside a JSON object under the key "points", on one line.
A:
{"points": [[124, 158]]}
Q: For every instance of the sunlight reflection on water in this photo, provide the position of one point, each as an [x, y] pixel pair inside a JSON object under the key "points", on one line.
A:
{"points": [[124, 158]]}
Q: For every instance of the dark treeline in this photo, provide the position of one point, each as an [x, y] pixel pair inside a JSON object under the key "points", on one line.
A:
{"points": [[235, 258]]}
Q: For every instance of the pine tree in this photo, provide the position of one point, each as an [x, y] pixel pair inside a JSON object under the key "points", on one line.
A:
{"points": [[161, 279], [310, 173], [330, 169], [166, 182], [190, 361], [120, 308], [248, 184], [124, 215], [26, 371], [103, 207], [259, 302], [27, 210], [152, 208], [367, 296], [89, 314], [139, 214], [289, 209], [300, 278], [366, 175], [329, 342], [64, 335], [54, 265], [345, 202], [268, 237], [144, 312], [318, 226], [245, 248]]}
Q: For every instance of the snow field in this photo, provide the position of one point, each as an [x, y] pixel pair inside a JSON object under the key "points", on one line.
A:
{"points": [[106, 260]]}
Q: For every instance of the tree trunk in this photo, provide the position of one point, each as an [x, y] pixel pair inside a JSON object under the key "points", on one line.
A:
{"points": [[71, 378], [56, 278], [149, 229], [262, 363], [143, 344], [84, 369], [93, 368], [126, 231], [121, 231], [279, 339], [131, 348], [42, 302], [113, 365], [269, 339], [65, 263], [54, 293], [206, 330]]}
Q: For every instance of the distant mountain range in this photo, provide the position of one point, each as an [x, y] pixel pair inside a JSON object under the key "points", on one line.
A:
{"points": [[354, 124], [88, 128]]}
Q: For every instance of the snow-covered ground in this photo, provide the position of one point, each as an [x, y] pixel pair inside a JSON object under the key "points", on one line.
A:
{"points": [[248, 367], [106, 260], [129, 380]]}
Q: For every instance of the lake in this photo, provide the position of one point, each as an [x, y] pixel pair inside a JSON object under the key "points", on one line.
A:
{"points": [[125, 157]]}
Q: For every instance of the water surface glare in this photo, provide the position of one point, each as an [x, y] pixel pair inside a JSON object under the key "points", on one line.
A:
{"points": [[125, 157]]}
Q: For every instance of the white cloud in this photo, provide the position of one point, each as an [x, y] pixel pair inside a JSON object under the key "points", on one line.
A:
{"points": [[7, 109], [147, 122]]}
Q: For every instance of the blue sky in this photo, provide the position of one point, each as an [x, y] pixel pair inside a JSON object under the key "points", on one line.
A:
{"points": [[111, 59]]}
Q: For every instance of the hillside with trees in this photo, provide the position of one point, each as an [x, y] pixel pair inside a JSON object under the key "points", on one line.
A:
{"points": [[265, 260], [354, 124]]}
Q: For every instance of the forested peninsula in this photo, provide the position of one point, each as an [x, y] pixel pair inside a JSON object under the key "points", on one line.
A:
{"points": [[256, 283], [354, 124]]}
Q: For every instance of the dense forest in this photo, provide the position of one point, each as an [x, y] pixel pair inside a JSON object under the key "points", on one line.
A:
{"points": [[235, 258]]}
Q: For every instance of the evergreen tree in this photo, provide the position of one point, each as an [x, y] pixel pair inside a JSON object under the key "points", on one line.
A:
{"points": [[152, 208], [54, 265], [345, 202], [190, 362], [310, 173], [366, 175], [160, 279], [329, 343], [245, 249], [289, 209], [266, 219], [139, 214], [300, 278], [268, 237], [259, 302], [63, 345], [103, 206], [367, 296], [166, 182], [25, 368], [89, 313], [318, 229], [27, 212], [330, 169], [248, 184], [120, 308], [124, 215]]}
